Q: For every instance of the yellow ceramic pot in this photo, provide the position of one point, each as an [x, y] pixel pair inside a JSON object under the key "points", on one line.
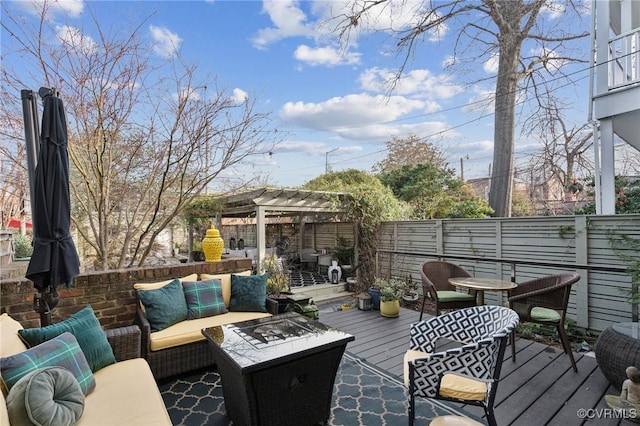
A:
{"points": [[390, 309], [212, 245]]}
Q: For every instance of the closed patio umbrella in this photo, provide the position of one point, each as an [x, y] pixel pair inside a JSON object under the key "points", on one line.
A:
{"points": [[54, 260]]}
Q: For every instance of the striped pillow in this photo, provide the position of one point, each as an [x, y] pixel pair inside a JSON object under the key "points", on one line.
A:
{"points": [[62, 351], [204, 298]]}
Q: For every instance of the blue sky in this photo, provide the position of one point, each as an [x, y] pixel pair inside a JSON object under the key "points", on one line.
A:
{"points": [[322, 94]]}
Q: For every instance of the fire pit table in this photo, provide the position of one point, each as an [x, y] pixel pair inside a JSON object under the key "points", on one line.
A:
{"points": [[278, 370]]}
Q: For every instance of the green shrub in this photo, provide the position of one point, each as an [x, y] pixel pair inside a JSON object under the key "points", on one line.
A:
{"points": [[22, 245]]}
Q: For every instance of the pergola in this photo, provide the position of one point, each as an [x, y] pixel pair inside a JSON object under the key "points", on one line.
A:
{"points": [[264, 202]]}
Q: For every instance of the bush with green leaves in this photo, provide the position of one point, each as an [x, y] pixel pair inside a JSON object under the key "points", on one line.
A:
{"points": [[22, 246]]}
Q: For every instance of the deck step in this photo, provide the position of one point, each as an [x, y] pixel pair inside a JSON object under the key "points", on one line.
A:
{"points": [[323, 292]]}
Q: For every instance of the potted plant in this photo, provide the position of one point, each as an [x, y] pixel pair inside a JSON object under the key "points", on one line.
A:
{"points": [[176, 248], [390, 293], [277, 281], [197, 253], [343, 253]]}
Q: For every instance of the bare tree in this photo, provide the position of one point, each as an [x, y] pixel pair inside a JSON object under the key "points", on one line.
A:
{"points": [[145, 137], [485, 29], [411, 150], [562, 157]]}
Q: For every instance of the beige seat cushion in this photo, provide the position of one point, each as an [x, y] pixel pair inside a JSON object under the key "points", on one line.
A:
{"points": [[126, 394], [190, 331], [408, 356], [225, 279], [160, 284], [462, 387], [10, 342], [454, 421]]}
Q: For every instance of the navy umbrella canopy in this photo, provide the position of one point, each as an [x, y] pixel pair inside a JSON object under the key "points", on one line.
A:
{"points": [[54, 260]]}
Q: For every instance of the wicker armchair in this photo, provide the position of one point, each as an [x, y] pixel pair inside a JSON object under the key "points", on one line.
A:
{"points": [[544, 301], [435, 286], [466, 374]]}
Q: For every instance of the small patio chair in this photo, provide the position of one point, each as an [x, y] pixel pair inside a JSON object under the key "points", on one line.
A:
{"points": [[544, 301], [465, 374], [435, 286]]}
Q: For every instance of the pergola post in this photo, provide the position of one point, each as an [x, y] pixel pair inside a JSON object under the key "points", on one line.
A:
{"points": [[261, 236]]}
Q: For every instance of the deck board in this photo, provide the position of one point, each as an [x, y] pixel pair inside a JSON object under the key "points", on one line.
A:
{"points": [[539, 388]]}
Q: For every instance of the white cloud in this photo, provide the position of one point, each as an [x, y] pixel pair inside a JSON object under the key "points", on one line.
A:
{"points": [[72, 8], [239, 96], [420, 82], [288, 19], [490, 66], [74, 38], [166, 43], [328, 56], [483, 101]]}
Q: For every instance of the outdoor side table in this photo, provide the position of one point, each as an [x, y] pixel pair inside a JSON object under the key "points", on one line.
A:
{"points": [[617, 348], [482, 284], [278, 370]]}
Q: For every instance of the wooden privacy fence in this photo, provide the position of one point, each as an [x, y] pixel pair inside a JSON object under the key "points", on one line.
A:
{"points": [[593, 246]]}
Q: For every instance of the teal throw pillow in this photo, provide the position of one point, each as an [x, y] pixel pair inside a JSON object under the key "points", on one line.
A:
{"points": [[204, 298], [62, 351], [49, 396], [248, 293], [164, 306], [87, 330]]}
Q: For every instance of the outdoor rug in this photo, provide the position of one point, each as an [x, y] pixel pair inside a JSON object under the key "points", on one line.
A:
{"points": [[306, 278], [363, 395]]}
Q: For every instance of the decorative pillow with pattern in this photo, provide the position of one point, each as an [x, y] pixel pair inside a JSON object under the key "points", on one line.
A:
{"points": [[204, 298], [248, 293], [164, 306], [62, 351]]}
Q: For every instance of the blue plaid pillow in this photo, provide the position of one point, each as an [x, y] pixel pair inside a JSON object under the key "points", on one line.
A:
{"points": [[204, 298], [62, 351]]}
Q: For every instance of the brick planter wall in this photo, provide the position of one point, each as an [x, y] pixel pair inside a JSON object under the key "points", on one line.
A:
{"points": [[110, 293]]}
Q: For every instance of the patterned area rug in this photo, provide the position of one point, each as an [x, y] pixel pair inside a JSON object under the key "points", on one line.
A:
{"points": [[363, 395], [306, 278]]}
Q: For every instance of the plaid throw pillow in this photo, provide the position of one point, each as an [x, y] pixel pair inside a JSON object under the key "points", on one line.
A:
{"points": [[204, 298], [62, 351]]}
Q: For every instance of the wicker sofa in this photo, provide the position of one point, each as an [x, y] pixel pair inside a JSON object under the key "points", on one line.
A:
{"points": [[181, 347], [125, 393]]}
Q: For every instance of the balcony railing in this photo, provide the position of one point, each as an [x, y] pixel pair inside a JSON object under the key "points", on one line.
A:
{"points": [[624, 59]]}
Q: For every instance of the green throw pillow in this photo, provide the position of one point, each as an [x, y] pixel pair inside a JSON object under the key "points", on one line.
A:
{"points": [[62, 351], [87, 330], [248, 293], [164, 306], [204, 298], [49, 396]]}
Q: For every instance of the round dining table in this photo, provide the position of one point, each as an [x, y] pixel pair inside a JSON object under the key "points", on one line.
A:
{"points": [[481, 285]]}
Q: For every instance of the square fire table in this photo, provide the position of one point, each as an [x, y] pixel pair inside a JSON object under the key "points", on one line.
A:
{"points": [[278, 370]]}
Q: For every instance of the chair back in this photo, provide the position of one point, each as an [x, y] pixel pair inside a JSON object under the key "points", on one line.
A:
{"points": [[482, 331], [435, 276], [550, 292]]}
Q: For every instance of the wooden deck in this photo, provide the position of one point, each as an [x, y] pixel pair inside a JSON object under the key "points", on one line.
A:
{"points": [[540, 388]]}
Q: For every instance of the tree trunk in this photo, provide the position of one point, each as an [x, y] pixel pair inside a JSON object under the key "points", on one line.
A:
{"points": [[506, 87]]}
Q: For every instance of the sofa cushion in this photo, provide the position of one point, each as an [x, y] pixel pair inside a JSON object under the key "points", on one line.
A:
{"points": [[186, 332], [11, 342], [127, 394], [225, 280], [160, 284], [87, 330], [248, 293], [62, 351], [164, 306], [48, 397], [204, 298]]}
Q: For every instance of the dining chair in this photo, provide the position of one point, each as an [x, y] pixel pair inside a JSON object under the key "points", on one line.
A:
{"points": [[467, 373], [435, 276], [544, 301]]}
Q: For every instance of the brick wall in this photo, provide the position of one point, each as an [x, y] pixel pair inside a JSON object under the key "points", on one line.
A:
{"points": [[110, 293]]}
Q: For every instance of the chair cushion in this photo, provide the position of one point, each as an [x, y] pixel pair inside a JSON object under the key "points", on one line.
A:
{"points": [[48, 397], [164, 306], [545, 315], [204, 298], [62, 351], [408, 356], [88, 332], [11, 342], [453, 296], [160, 284], [248, 293], [462, 387], [454, 421]]}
